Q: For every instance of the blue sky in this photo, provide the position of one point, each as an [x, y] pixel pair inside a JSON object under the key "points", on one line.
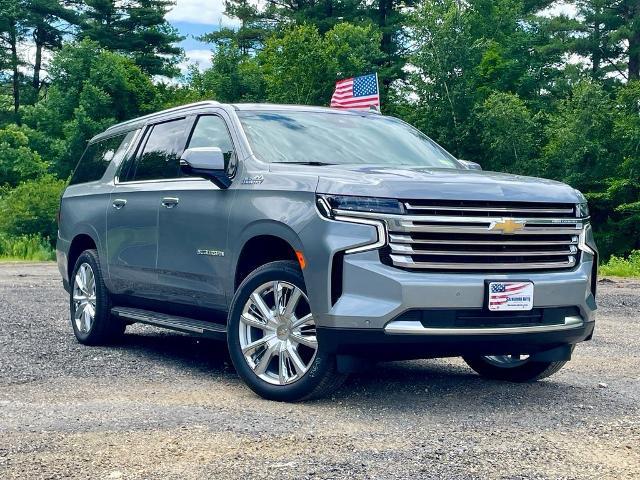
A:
{"points": [[196, 17]]}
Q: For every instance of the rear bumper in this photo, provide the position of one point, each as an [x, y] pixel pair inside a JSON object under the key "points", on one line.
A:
{"points": [[62, 247], [383, 344]]}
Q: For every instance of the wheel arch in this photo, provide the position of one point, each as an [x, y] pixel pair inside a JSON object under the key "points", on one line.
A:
{"points": [[262, 243], [80, 243]]}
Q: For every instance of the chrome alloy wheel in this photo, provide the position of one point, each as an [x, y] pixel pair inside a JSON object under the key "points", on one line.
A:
{"points": [[507, 361], [84, 298], [278, 333]]}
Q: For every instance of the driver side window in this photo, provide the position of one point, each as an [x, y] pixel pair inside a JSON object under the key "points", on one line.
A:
{"points": [[212, 131]]}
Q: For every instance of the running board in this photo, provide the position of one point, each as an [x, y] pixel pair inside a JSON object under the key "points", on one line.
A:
{"points": [[172, 322]]}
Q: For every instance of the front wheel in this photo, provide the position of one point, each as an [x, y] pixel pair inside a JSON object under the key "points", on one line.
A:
{"points": [[512, 368], [272, 337]]}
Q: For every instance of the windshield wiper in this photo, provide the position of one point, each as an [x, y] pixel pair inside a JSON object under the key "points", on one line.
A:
{"points": [[315, 164]]}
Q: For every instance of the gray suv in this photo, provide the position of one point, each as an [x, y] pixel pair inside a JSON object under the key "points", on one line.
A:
{"points": [[318, 241]]}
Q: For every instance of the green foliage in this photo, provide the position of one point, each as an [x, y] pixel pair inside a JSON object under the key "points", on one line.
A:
{"points": [[137, 29], [31, 207], [301, 66], [295, 67], [91, 89], [509, 135], [26, 247], [622, 267], [580, 140], [18, 162]]}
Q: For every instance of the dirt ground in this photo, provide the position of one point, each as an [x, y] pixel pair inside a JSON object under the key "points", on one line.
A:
{"points": [[165, 405]]}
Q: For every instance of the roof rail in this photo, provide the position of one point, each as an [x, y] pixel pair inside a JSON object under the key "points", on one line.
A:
{"points": [[162, 112]]}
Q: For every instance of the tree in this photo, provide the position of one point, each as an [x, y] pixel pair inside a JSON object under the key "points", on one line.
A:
{"points": [[252, 33], [18, 162], [12, 32], [49, 21], [136, 28], [30, 208], [295, 67], [91, 89], [509, 135], [302, 66]]}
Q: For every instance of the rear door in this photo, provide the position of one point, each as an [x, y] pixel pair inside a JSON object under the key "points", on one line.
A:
{"points": [[192, 246], [132, 213]]}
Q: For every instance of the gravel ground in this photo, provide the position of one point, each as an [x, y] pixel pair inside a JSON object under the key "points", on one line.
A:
{"points": [[164, 405]]}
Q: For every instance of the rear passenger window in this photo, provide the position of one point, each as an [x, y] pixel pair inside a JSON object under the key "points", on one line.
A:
{"points": [[98, 155], [160, 157]]}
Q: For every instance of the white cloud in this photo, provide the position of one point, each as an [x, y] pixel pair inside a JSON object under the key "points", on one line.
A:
{"points": [[201, 58], [208, 12]]}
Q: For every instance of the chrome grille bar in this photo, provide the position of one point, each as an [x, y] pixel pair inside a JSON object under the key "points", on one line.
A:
{"points": [[406, 249], [408, 262], [395, 238], [509, 210]]}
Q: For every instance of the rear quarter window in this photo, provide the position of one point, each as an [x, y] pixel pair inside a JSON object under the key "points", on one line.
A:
{"points": [[98, 155]]}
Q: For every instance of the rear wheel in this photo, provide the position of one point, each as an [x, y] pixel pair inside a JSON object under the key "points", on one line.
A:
{"points": [[90, 303], [272, 337], [512, 368]]}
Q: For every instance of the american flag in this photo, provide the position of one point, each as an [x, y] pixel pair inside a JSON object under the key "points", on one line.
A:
{"points": [[357, 93], [500, 292]]}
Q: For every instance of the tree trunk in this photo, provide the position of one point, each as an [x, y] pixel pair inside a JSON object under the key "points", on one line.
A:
{"points": [[385, 8], [634, 41], [596, 53], [37, 65], [13, 39]]}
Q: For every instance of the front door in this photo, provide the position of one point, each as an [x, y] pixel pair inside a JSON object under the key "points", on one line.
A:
{"points": [[132, 215], [192, 246]]}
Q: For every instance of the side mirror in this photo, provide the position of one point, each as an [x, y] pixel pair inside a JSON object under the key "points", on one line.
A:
{"points": [[206, 162], [470, 165]]}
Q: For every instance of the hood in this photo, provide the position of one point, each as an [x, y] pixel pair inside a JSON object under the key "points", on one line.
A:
{"points": [[433, 183]]}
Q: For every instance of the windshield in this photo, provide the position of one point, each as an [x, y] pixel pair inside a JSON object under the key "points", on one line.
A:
{"points": [[332, 138]]}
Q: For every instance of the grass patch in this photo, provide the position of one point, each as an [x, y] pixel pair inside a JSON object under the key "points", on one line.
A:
{"points": [[622, 267], [26, 248]]}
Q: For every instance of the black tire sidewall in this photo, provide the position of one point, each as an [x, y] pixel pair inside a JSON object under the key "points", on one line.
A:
{"points": [[528, 372], [103, 328], [324, 362]]}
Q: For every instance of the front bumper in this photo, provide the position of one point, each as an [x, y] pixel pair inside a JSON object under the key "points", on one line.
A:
{"points": [[368, 316], [380, 345]]}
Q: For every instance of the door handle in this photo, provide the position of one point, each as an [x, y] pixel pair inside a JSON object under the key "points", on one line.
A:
{"points": [[118, 203], [170, 202]]}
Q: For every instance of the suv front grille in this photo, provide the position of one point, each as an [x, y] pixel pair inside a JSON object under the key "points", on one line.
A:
{"points": [[483, 236]]}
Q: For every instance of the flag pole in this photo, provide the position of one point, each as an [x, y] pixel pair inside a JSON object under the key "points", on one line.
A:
{"points": [[379, 96]]}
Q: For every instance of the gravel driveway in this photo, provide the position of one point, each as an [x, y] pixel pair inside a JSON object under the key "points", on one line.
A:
{"points": [[164, 405]]}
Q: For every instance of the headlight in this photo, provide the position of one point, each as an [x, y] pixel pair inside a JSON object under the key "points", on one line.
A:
{"points": [[345, 209], [329, 203], [582, 210]]}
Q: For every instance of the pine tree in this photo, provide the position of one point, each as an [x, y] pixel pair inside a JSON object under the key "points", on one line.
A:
{"points": [[12, 32], [49, 21], [136, 28]]}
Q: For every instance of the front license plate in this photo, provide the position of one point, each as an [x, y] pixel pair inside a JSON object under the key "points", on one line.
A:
{"points": [[509, 296]]}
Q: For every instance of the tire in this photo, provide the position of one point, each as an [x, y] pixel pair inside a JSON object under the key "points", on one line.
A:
{"points": [[282, 358], [520, 371], [102, 328]]}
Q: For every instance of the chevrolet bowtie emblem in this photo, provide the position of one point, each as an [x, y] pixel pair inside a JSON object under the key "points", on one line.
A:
{"points": [[507, 225]]}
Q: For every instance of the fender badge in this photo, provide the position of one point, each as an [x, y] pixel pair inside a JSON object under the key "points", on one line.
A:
{"points": [[258, 179], [210, 253]]}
